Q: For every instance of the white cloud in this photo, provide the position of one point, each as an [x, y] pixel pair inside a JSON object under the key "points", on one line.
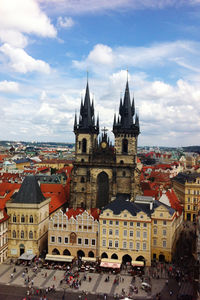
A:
{"points": [[103, 56], [21, 62], [65, 22], [25, 16], [9, 86]]}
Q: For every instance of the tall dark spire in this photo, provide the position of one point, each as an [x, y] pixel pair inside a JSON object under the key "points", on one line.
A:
{"points": [[125, 123], [86, 118]]}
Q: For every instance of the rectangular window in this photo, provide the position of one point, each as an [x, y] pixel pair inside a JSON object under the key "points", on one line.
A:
{"points": [[125, 223], [188, 199], [110, 243], [164, 244], [131, 233], [131, 245], [116, 232], [144, 246], [138, 234], [125, 233], [104, 231], [188, 207], [188, 191], [137, 246], [116, 244], [111, 222], [164, 232], [117, 223], [138, 224], [66, 240], [155, 230], [86, 242], [131, 224], [52, 239], [104, 221], [124, 245], [79, 241], [145, 225], [110, 232], [154, 242], [164, 222], [155, 221], [93, 242], [103, 243], [144, 234], [59, 240]]}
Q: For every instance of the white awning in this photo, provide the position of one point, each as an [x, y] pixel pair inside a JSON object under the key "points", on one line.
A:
{"points": [[110, 263], [92, 259], [137, 263], [26, 256], [64, 258]]}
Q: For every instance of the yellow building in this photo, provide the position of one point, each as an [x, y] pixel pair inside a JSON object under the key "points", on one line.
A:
{"points": [[74, 233], [165, 229], [28, 222], [22, 163], [187, 188], [138, 231], [53, 163], [125, 231]]}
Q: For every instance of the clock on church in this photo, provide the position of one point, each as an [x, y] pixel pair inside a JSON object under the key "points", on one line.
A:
{"points": [[103, 145]]}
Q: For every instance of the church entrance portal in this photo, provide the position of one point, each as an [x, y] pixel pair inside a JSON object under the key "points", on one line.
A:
{"points": [[103, 190]]}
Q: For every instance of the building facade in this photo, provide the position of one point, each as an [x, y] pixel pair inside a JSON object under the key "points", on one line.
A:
{"points": [[28, 222], [74, 233], [142, 230], [3, 235], [187, 188], [100, 169]]}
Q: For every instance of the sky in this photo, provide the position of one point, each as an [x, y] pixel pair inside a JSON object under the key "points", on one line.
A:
{"points": [[47, 47]]}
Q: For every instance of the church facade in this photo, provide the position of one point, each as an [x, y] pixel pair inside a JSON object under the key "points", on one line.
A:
{"points": [[101, 170]]}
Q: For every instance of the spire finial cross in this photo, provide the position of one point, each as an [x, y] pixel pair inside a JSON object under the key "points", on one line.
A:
{"points": [[104, 130]]}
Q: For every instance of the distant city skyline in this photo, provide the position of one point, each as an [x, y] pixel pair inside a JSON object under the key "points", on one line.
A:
{"points": [[47, 47]]}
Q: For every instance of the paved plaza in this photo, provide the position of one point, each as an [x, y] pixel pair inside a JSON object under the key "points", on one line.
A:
{"points": [[45, 278]]}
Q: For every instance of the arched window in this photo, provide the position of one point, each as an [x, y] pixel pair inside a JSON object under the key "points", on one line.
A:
{"points": [[22, 219], [82, 179], [22, 234], [84, 145], [124, 146], [14, 234], [31, 235], [14, 219], [31, 219]]}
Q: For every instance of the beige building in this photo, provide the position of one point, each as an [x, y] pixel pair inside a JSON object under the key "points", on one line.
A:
{"points": [[125, 231], [139, 231], [3, 235], [74, 233], [187, 188], [28, 223], [165, 230]]}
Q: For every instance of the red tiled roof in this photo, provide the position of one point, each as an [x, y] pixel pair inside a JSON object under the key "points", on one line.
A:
{"points": [[174, 201], [95, 212]]}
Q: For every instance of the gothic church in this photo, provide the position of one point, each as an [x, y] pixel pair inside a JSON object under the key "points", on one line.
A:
{"points": [[101, 170]]}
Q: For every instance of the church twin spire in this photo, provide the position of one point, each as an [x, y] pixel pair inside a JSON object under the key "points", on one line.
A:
{"points": [[86, 118], [127, 122]]}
